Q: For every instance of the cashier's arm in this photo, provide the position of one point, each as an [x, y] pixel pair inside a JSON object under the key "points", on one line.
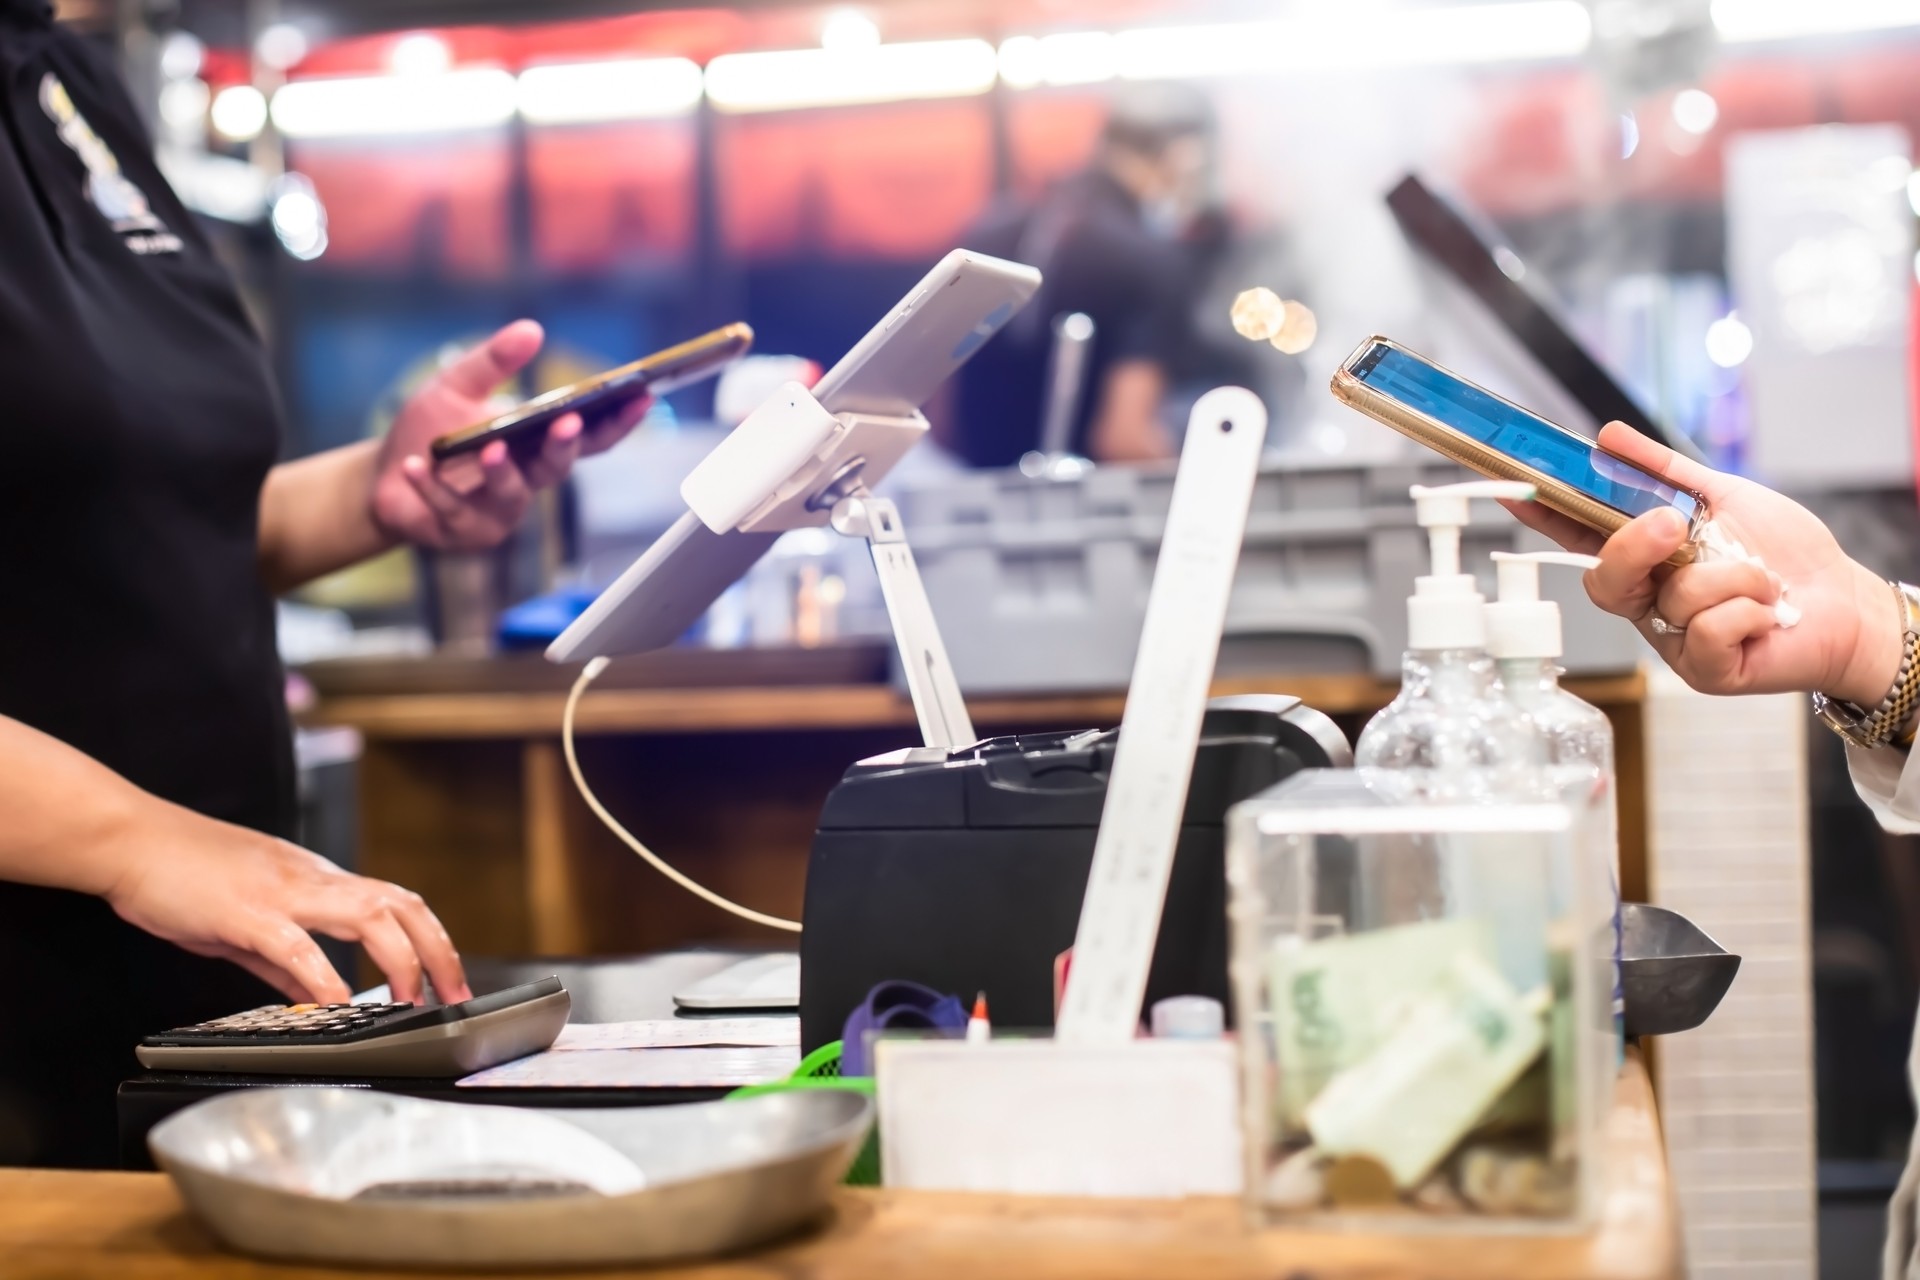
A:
{"points": [[1126, 417], [337, 508], [215, 889]]}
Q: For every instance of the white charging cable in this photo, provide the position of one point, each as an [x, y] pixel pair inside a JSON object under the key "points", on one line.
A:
{"points": [[698, 890]]}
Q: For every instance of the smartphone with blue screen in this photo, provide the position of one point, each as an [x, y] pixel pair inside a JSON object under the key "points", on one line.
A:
{"points": [[1498, 438]]}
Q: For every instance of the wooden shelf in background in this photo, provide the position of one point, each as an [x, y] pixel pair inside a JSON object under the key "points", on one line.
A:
{"points": [[500, 713], [465, 798]]}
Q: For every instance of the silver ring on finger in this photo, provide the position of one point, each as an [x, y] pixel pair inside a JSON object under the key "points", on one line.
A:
{"points": [[1661, 627]]}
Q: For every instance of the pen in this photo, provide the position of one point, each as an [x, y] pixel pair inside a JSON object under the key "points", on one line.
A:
{"points": [[979, 1030]]}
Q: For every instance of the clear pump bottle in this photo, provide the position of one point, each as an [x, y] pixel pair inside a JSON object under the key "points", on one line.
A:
{"points": [[1450, 736], [1575, 737], [1524, 637]]}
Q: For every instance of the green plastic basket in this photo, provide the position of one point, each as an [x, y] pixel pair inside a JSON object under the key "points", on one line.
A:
{"points": [[821, 1070], [822, 1064]]}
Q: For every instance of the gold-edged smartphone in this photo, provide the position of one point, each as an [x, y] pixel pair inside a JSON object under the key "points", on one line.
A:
{"points": [[1497, 438], [524, 427]]}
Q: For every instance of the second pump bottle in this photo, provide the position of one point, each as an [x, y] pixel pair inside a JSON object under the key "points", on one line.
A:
{"points": [[1481, 716]]}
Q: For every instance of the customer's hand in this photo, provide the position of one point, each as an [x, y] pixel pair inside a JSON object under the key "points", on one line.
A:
{"points": [[412, 502], [1848, 640], [220, 890]]}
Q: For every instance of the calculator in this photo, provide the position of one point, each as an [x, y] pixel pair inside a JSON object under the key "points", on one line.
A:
{"points": [[429, 1041]]}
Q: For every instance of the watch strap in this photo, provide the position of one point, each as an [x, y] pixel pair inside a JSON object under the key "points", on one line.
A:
{"points": [[1890, 720]]}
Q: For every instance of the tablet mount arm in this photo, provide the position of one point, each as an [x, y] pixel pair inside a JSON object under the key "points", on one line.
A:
{"points": [[854, 512], [794, 464]]}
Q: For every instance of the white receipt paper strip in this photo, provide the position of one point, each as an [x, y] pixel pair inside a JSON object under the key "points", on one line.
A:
{"points": [[678, 1033], [1166, 702], [640, 1069]]}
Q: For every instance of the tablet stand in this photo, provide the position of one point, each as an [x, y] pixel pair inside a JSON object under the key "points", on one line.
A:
{"points": [[793, 464]]}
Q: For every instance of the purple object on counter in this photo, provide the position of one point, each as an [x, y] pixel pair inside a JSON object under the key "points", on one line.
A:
{"points": [[896, 1006]]}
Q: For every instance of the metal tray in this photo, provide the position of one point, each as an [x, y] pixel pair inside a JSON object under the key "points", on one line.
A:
{"points": [[719, 1176]]}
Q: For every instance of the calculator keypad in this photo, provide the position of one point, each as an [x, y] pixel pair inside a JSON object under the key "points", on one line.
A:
{"points": [[306, 1022]]}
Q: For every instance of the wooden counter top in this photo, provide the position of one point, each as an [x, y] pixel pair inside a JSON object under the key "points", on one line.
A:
{"points": [[129, 1226]]}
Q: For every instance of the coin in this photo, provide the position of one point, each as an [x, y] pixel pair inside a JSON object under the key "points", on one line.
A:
{"points": [[1298, 1182], [1355, 1182], [1509, 1181]]}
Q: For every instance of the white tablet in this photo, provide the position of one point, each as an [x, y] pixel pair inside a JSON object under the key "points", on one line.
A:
{"points": [[770, 981], [892, 371]]}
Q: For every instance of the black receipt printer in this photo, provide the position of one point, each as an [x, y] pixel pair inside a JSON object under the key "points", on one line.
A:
{"points": [[965, 869]]}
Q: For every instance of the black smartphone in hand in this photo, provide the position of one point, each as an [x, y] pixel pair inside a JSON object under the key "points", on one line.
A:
{"points": [[524, 427]]}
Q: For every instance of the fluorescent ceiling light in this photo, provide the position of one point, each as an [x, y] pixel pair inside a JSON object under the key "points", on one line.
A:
{"points": [[623, 89], [1743, 20], [420, 54], [298, 218], [1695, 111], [474, 98], [183, 105], [1020, 63], [281, 46], [181, 56], [835, 77], [240, 112], [1071, 57], [849, 29], [1348, 37], [1729, 342]]}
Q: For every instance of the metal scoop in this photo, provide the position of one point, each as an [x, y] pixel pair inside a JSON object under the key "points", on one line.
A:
{"points": [[1672, 973]]}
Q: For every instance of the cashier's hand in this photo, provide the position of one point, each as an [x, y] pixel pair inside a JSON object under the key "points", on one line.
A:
{"points": [[223, 891], [1847, 643], [413, 503]]}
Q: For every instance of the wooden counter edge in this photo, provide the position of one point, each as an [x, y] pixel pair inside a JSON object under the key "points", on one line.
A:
{"points": [[803, 707], [130, 1226]]}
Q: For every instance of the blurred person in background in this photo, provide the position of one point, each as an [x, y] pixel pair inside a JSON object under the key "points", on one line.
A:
{"points": [[1855, 648], [1130, 243], [146, 765]]}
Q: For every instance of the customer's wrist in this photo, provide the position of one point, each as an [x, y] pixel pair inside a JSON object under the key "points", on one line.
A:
{"points": [[1878, 645]]}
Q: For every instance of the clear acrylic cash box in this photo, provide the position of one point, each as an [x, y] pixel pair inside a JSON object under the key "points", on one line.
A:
{"points": [[1424, 993]]}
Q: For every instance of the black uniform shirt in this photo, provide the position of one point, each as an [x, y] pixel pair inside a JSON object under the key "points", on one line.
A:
{"points": [[1092, 245], [137, 423], [140, 423]]}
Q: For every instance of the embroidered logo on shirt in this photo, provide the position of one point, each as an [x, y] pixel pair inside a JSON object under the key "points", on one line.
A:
{"points": [[121, 203]]}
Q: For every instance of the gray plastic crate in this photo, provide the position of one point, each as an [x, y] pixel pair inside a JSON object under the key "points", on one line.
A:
{"points": [[1041, 584]]}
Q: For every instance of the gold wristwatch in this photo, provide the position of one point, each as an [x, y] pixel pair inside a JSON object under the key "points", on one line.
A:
{"points": [[1886, 723]]}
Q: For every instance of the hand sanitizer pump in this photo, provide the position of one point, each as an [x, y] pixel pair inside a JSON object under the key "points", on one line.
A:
{"points": [[1448, 731], [1444, 613]]}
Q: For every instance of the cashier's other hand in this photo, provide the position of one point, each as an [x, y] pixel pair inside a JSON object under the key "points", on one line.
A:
{"points": [[1846, 640], [415, 502], [224, 891]]}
